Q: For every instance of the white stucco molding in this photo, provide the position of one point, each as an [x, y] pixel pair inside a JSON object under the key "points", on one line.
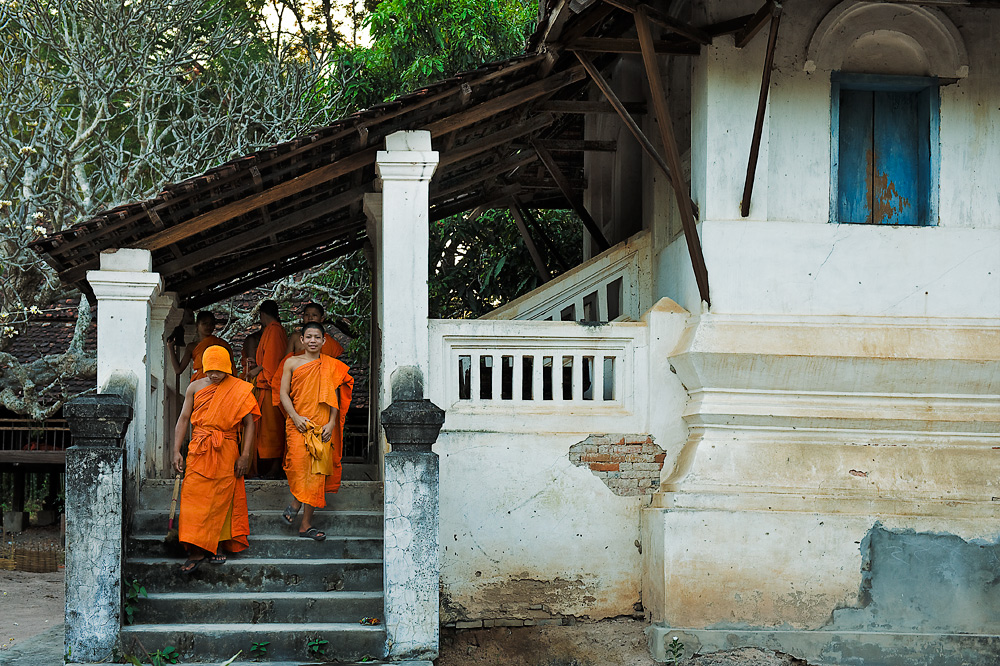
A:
{"points": [[124, 285], [919, 31]]}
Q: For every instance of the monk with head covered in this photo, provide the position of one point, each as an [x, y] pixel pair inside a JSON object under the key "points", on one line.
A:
{"points": [[213, 516], [315, 392]]}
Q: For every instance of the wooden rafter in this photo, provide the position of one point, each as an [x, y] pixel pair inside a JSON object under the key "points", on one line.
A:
{"points": [[494, 139], [663, 121], [743, 36], [623, 45], [583, 107], [574, 201], [758, 126], [663, 20], [540, 268], [623, 113], [534, 225]]}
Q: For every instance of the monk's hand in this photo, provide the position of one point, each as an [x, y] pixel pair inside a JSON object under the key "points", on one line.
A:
{"points": [[242, 465], [327, 432], [178, 462], [301, 424]]}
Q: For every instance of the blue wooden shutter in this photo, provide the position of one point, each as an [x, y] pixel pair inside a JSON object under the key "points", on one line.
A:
{"points": [[856, 157]]}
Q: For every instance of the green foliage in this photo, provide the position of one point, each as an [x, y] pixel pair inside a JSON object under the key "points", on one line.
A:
{"points": [[317, 648], [676, 651], [167, 655], [417, 42], [480, 264], [259, 650], [133, 591]]}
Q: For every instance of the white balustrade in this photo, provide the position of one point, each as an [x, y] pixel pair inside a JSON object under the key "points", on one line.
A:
{"points": [[613, 285], [567, 376]]}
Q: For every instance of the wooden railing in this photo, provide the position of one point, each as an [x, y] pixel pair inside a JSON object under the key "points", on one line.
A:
{"points": [[26, 441], [615, 284]]}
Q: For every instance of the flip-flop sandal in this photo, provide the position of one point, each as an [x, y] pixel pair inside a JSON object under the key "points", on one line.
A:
{"points": [[191, 566], [217, 559], [288, 515], [314, 534]]}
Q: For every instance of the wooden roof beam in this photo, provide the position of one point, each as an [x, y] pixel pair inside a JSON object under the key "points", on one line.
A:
{"points": [[506, 135], [744, 35], [536, 257], [758, 126], [581, 107], [574, 201], [532, 223], [663, 20], [505, 102], [622, 45], [663, 121]]}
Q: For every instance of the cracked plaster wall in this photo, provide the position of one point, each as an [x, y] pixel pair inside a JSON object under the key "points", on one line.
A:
{"points": [[528, 535]]}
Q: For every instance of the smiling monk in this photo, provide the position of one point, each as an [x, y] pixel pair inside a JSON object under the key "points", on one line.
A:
{"points": [[213, 514], [315, 392]]}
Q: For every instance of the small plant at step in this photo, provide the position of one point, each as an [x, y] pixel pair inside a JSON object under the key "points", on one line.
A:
{"points": [[675, 651], [317, 648], [259, 650], [132, 593], [167, 655]]}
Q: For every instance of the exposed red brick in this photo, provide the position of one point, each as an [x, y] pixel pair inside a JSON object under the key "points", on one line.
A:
{"points": [[604, 467], [595, 457]]}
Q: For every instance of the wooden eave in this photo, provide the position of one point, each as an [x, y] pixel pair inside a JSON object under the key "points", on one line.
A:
{"points": [[294, 205]]}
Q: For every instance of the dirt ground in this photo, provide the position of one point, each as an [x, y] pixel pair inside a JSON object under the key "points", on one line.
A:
{"points": [[30, 603], [620, 642]]}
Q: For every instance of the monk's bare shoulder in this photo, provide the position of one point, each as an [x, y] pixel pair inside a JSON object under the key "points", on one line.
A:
{"points": [[296, 361], [198, 385]]}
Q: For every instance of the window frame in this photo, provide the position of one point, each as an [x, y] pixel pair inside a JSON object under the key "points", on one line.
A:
{"points": [[887, 83]]}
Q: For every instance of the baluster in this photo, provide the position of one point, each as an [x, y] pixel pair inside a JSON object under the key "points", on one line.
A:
{"points": [[597, 377], [516, 388], [602, 305], [577, 377], [496, 392], [537, 381], [474, 376]]}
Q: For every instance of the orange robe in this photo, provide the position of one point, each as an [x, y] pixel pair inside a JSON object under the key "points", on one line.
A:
{"points": [[315, 388], [213, 498], [270, 352], [331, 348], [196, 372]]}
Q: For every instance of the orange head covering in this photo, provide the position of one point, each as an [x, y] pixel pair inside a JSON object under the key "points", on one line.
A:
{"points": [[216, 358]]}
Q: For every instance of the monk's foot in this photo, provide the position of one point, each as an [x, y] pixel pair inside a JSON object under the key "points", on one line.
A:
{"points": [[289, 514], [218, 558], [314, 534], [192, 565]]}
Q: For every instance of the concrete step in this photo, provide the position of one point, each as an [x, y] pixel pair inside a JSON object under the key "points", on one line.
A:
{"points": [[283, 546], [274, 495], [249, 574], [357, 523], [345, 641], [258, 607]]}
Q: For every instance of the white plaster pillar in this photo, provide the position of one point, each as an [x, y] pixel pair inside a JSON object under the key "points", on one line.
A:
{"points": [[164, 316], [401, 242], [125, 287]]}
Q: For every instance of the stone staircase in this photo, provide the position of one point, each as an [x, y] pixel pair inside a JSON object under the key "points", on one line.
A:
{"points": [[285, 590]]}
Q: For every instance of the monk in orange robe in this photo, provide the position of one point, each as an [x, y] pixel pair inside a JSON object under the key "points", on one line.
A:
{"points": [[205, 323], [313, 312], [270, 351], [213, 514], [316, 393]]}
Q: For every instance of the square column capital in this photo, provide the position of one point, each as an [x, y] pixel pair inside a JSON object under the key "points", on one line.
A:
{"points": [[124, 285], [408, 156]]}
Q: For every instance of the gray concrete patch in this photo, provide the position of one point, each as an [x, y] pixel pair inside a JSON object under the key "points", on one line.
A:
{"points": [[45, 649]]}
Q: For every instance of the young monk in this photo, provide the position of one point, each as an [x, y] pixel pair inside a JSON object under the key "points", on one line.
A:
{"points": [[213, 513], [313, 312], [205, 323], [315, 392], [270, 351]]}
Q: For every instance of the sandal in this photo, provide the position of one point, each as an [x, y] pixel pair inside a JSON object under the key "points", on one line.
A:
{"points": [[218, 558], [191, 565], [314, 534], [288, 515]]}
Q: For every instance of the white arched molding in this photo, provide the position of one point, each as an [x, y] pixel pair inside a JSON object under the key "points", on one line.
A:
{"points": [[884, 38]]}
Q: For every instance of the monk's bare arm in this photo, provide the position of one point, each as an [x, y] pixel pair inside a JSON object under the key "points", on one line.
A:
{"points": [[286, 399], [181, 428], [249, 431]]}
